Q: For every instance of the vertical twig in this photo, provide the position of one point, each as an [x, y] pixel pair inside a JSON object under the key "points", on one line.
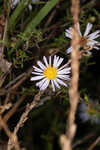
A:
{"points": [[73, 91], [66, 141]]}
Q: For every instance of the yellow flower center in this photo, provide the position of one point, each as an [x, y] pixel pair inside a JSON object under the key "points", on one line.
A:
{"points": [[91, 110], [50, 73]]}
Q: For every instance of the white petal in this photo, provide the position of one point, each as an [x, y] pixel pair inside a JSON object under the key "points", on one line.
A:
{"points": [[92, 42], [61, 82], [41, 65], [95, 47], [56, 84], [53, 87], [59, 62], [64, 66], [64, 71], [88, 28], [37, 73], [14, 3], [64, 77], [69, 35], [69, 50], [56, 58], [96, 42], [54, 61], [84, 117], [94, 35], [45, 61], [50, 60], [30, 7], [36, 78], [79, 29], [69, 31], [89, 53], [41, 82], [37, 69], [83, 107], [45, 85]]}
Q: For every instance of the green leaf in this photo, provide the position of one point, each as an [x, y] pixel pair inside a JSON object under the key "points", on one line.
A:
{"points": [[18, 11], [38, 18]]}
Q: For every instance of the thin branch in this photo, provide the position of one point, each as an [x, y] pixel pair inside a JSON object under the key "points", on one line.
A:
{"points": [[15, 80], [66, 140]]}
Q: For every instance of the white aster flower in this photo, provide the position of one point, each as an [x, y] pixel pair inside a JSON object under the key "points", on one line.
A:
{"points": [[51, 73], [89, 112], [15, 2], [87, 41]]}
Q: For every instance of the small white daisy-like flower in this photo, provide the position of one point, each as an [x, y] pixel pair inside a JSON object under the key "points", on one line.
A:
{"points": [[87, 41], [89, 112], [51, 73], [15, 2]]}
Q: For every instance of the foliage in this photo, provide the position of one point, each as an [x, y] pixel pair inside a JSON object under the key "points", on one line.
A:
{"points": [[30, 35]]}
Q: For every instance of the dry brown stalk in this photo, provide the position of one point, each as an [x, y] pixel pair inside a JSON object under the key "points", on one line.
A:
{"points": [[66, 140], [11, 136], [2, 79], [29, 107], [15, 86], [7, 99], [73, 91], [24, 116], [16, 83], [4, 107], [13, 110], [11, 83]]}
